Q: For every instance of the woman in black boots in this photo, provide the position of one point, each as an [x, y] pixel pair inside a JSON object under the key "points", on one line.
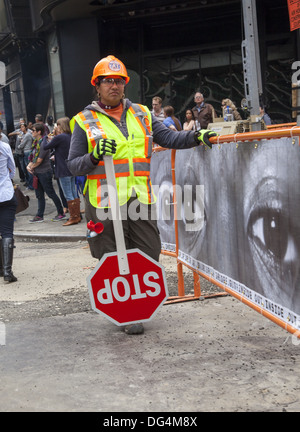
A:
{"points": [[8, 205]]}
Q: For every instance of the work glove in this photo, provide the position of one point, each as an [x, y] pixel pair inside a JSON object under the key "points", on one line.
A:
{"points": [[104, 147], [202, 136]]}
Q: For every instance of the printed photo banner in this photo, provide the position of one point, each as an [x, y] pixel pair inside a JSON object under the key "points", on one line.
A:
{"points": [[238, 218]]}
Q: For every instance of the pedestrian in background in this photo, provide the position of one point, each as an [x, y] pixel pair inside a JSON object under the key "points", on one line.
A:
{"points": [[189, 123], [157, 109], [50, 124], [60, 143], [16, 136], [39, 119], [264, 116], [25, 144], [4, 138], [8, 206], [170, 120], [227, 103], [40, 166], [204, 113]]}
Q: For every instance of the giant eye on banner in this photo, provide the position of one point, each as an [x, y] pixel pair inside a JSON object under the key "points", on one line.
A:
{"points": [[246, 232], [294, 13]]}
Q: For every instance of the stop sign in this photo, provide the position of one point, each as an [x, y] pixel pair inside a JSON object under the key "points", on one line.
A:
{"points": [[134, 297]]}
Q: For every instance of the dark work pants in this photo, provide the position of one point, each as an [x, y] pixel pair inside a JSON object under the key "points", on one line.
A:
{"points": [[18, 160], [7, 217], [141, 234], [45, 185]]}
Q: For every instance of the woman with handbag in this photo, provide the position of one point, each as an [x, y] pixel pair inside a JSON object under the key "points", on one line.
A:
{"points": [[8, 206]]}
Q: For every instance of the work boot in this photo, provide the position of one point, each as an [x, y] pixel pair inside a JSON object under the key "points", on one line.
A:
{"points": [[74, 210], [133, 329], [7, 257], [1, 260]]}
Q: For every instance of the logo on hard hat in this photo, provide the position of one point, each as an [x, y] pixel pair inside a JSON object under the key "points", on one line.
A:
{"points": [[114, 66]]}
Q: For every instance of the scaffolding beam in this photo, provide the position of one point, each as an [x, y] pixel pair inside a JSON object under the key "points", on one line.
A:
{"points": [[251, 57]]}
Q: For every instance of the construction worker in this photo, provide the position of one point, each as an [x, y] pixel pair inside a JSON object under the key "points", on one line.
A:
{"points": [[113, 125]]}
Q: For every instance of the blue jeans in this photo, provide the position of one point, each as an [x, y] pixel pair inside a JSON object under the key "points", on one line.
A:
{"points": [[29, 176], [69, 188], [45, 185]]}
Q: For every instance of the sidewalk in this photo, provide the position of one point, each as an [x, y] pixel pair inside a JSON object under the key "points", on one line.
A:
{"points": [[47, 230]]}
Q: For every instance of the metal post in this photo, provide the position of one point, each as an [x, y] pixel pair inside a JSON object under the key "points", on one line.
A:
{"points": [[298, 82], [251, 57]]}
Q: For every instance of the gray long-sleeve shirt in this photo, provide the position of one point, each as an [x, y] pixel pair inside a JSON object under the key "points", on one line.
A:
{"points": [[79, 160], [26, 142]]}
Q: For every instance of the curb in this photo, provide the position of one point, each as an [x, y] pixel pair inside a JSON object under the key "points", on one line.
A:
{"points": [[49, 237]]}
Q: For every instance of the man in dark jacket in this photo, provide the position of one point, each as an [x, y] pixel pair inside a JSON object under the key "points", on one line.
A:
{"points": [[204, 113]]}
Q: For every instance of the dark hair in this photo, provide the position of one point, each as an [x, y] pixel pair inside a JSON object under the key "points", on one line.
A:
{"points": [[193, 115], [39, 117], [39, 127], [1, 125], [169, 110]]}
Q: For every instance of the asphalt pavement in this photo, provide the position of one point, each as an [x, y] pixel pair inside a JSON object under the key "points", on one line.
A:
{"points": [[211, 355]]}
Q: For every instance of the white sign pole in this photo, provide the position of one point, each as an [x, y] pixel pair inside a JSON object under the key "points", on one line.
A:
{"points": [[116, 214]]}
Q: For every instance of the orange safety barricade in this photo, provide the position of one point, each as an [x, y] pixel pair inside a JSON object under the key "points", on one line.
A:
{"points": [[281, 125], [197, 287], [290, 130]]}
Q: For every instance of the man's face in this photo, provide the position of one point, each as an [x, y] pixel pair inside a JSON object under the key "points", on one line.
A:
{"points": [[198, 98], [156, 106], [36, 134]]}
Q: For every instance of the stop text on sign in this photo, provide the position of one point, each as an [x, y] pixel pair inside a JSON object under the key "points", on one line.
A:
{"points": [[119, 288], [129, 298]]}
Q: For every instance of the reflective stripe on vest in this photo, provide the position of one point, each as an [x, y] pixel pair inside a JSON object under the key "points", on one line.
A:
{"points": [[121, 169], [141, 167], [132, 172], [140, 115], [92, 126]]}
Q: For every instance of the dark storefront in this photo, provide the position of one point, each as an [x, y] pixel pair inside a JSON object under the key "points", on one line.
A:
{"points": [[171, 49]]}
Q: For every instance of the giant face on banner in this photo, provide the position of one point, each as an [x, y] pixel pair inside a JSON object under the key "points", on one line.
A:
{"points": [[162, 182], [250, 229]]}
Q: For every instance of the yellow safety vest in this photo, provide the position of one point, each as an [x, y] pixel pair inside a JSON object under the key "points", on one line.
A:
{"points": [[131, 160]]}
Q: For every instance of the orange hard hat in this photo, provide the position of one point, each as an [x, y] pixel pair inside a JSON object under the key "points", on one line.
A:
{"points": [[107, 66]]}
